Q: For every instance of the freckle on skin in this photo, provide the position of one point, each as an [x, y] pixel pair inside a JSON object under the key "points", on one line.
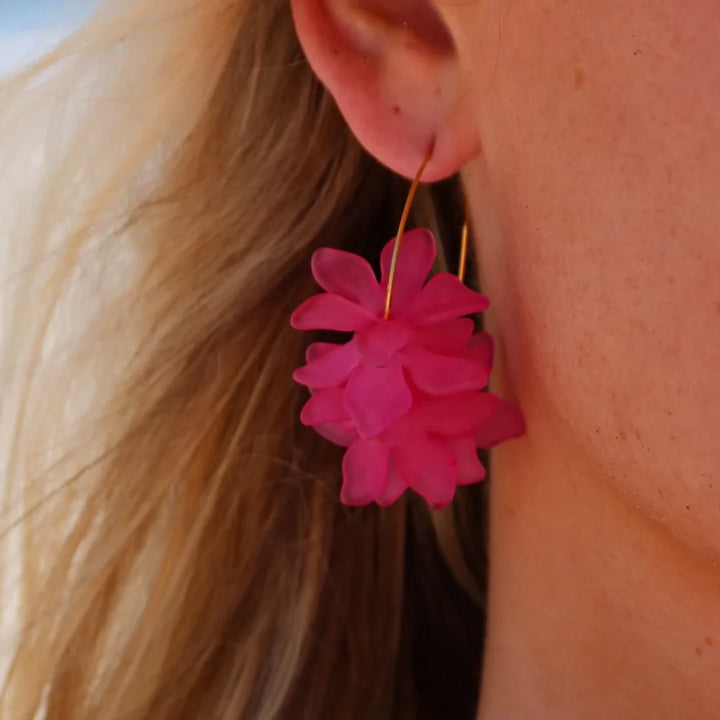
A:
{"points": [[578, 78], [709, 641], [698, 651], [396, 109]]}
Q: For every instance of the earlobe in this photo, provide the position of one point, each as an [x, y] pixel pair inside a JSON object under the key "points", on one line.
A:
{"points": [[392, 68]]}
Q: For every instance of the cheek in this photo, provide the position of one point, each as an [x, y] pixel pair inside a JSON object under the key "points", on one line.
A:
{"points": [[606, 278]]}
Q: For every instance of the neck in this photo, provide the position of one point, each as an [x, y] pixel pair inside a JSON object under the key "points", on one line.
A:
{"points": [[595, 611]]}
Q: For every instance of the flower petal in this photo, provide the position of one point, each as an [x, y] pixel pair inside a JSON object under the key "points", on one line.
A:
{"points": [[379, 342], [376, 397], [330, 312], [316, 350], [395, 486], [454, 416], [437, 374], [341, 433], [469, 467], [481, 349], [429, 469], [325, 406], [364, 467], [505, 423], [415, 260], [444, 297], [348, 275], [331, 368], [406, 427], [448, 337]]}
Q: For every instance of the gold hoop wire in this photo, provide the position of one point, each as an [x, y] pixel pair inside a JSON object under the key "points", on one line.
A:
{"points": [[401, 230]]}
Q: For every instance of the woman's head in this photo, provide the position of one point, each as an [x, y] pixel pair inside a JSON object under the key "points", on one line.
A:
{"points": [[208, 570]]}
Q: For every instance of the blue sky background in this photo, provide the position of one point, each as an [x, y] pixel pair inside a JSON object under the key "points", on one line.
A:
{"points": [[36, 14], [29, 28]]}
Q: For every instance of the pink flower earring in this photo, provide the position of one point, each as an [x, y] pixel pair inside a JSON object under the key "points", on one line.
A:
{"points": [[403, 394]]}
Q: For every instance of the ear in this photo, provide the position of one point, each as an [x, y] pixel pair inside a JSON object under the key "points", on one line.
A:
{"points": [[392, 68]]}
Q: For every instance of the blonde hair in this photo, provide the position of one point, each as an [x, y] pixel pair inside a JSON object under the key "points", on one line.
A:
{"points": [[184, 553]]}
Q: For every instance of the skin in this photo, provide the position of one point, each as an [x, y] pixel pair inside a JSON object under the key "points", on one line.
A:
{"points": [[588, 136]]}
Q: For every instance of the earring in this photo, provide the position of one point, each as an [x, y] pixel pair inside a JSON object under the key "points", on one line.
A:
{"points": [[403, 395]]}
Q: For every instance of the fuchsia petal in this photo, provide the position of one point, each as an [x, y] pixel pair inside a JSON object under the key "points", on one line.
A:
{"points": [[341, 433], [376, 397], [429, 469], [405, 429], [444, 297], [415, 260], [365, 467], [449, 337], [330, 312], [481, 349], [379, 343], [330, 368], [325, 406], [348, 275], [436, 374], [395, 486], [505, 423], [469, 467], [314, 351], [455, 415]]}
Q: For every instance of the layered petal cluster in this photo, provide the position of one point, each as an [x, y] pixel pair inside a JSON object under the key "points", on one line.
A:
{"points": [[403, 394]]}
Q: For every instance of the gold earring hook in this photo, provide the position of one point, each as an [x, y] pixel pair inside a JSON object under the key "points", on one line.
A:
{"points": [[401, 231], [463, 243]]}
